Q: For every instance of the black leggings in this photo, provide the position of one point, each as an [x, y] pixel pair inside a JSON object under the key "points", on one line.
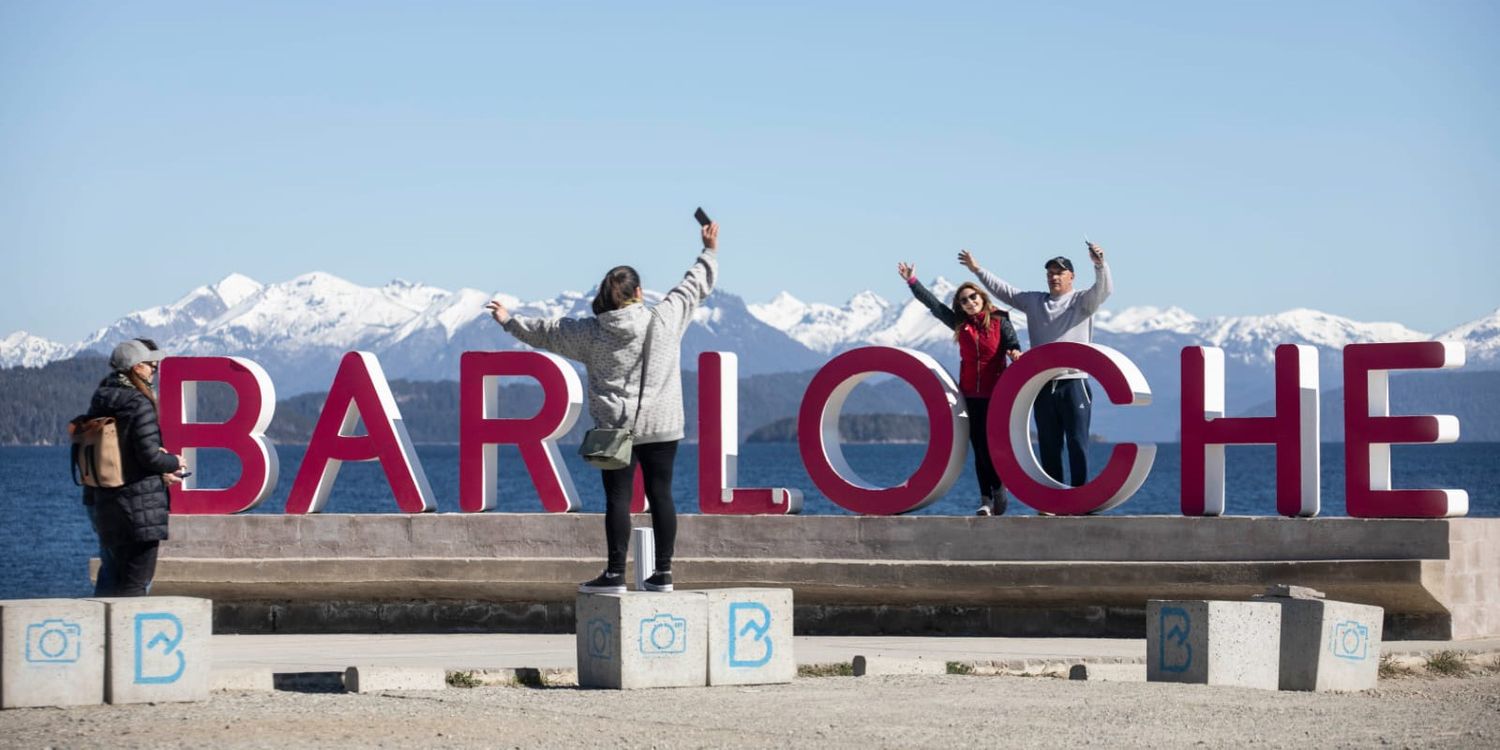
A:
{"points": [[984, 467], [656, 461]]}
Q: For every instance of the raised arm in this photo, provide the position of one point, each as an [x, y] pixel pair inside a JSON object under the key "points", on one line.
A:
{"points": [[926, 297], [997, 286], [676, 308], [566, 336], [1093, 297]]}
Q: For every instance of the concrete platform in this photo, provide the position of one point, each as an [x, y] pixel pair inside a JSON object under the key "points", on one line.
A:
{"points": [[1012, 576]]}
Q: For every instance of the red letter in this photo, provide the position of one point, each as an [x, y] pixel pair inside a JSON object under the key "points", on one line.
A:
{"points": [[1294, 430], [719, 446], [481, 429], [1369, 431], [1010, 430], [244, 433], [818, 430], [359, 391]]}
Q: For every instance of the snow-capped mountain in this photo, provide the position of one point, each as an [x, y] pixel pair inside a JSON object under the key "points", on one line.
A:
{"points": [[1481, 339], [298, 330], [21, 349]]}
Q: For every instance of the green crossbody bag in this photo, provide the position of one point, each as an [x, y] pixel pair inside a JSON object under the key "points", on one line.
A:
{"points": [[610, 447]]}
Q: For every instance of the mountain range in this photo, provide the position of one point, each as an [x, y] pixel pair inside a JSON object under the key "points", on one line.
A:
{"points": [[298, 330]]}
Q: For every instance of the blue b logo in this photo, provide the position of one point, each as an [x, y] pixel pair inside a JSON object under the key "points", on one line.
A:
{"points": [[749, 634], [158, 660]]}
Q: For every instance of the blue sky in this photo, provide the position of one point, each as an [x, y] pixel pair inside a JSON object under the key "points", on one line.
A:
{"points": [[1233, 158]]}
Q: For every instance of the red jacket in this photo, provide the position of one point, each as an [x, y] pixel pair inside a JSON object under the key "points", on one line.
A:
{"points": [[980, 357]]}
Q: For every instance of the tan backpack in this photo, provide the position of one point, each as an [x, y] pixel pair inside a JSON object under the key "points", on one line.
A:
{"points": [[96, 452]]}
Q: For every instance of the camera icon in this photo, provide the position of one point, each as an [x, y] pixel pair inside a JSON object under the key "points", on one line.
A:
{"points": [[663, 634], [53, 641], [600, 638], [1350, 640]]}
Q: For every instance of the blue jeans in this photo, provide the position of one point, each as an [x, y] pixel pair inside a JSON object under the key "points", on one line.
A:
{"points": [[109, 573]]}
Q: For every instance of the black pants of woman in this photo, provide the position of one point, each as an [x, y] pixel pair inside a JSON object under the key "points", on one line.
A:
{"points": [[655, 460], [984, 468]]}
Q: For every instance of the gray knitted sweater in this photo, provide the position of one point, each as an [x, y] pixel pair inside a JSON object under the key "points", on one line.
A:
{"points": [[609, 346]]}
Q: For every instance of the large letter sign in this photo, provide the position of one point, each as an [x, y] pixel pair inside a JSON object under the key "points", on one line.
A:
{"points": [[243, 434], [1369, 431], [1294, 430], [823, 454], [1010, 429], [482, 430], [359, 392], [719, 446]]}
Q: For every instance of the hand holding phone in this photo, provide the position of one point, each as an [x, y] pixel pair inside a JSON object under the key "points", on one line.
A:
{"points": [[702, 218]]}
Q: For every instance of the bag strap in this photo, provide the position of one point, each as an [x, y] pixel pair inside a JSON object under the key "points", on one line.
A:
{"points": [[640, 394]]}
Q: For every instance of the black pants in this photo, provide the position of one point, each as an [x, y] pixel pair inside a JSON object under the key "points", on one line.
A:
{"points": [[134, 565], [655, 460], [1062, 412], [984, 467]]}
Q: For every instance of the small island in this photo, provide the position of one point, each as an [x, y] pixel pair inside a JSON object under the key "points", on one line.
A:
{"points": [[855, 428]]}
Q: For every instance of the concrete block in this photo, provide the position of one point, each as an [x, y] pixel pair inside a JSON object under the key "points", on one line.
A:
{"points": [[160, 649], [640, 640], [879, 665], [375, 679], [750, 636], [248, 678], [1108, 672], [51, 652], [1214, 642], [1329, 645]]}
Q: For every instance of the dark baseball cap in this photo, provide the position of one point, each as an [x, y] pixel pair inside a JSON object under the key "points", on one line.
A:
{"points": [[1067, 265]]}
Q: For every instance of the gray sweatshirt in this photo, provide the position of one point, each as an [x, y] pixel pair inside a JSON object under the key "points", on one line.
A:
{"points": [[609, 346], [1066, 317]]}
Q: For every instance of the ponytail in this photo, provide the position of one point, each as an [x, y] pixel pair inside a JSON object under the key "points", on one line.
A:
{"points": [[617, 289]]}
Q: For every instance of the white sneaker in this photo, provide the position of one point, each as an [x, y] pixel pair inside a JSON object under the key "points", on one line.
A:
{"points": [[984, 510]]}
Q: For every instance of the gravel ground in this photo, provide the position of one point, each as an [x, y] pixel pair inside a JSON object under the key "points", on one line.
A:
{"points": [[854, 712]]}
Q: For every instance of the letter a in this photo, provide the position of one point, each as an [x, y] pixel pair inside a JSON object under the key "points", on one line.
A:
{"points": [[359, 392]]}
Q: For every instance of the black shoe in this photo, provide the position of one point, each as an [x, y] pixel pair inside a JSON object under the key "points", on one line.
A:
{"points": [[606, 583], [660, 582], [999, 501]]}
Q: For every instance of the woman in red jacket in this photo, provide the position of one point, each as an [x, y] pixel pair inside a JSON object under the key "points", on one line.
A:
{"points": [[986, 340]]}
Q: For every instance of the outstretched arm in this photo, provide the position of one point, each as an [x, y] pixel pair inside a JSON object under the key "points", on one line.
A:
{"points": [[677, 306], [566, 336], [925, 296], [997, 286], [1093, 297]]}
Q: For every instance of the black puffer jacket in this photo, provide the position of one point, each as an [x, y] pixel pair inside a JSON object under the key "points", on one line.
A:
{"points": [[136, 512]]}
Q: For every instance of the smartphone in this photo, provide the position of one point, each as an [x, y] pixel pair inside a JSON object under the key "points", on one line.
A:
{"points": [[702, 218], [184, 475]]}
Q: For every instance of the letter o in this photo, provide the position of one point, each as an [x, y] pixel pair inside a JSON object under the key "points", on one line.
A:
{"points": [[823, 454]]}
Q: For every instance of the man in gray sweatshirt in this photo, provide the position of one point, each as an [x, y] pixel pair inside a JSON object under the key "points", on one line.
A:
{"points": [[1063, 408]]}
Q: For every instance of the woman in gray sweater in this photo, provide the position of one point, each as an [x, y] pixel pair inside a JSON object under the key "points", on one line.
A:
{"points": [[612, 347]]}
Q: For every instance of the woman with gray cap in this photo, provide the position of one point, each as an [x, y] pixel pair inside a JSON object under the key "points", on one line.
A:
{"points": [[132, 519]]}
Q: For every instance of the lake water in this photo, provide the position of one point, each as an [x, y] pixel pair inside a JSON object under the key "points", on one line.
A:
{"points": [[45, 539]]}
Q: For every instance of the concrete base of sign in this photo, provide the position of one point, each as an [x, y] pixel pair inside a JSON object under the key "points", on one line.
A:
{"points": [[878, 665], [641, 640], [750, 636], [160, 649], [1214, 643], [51, 652], [1069, 576], [375, 679], [1327, 645]]}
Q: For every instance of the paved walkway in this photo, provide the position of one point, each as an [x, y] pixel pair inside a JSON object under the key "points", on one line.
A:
{"points": [[322, 653]]}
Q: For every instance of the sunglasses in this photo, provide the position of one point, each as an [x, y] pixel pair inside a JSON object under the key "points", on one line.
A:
{"points": [[969, 298]]}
